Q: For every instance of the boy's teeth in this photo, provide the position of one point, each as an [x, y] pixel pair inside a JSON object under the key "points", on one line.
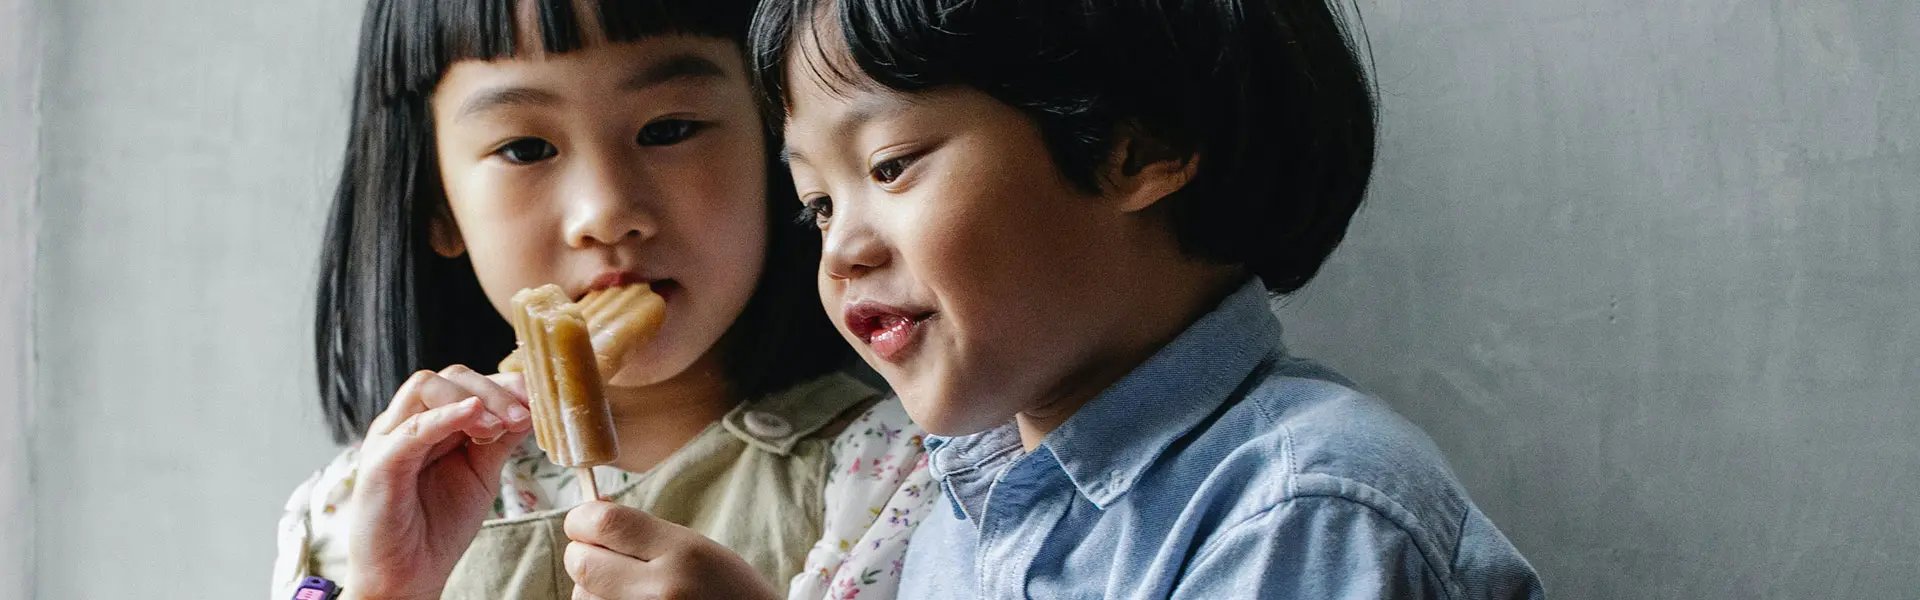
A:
{"points": [[887, 326]]}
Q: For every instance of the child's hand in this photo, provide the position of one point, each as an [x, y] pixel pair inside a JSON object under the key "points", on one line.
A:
{"points": [[620, 552], [428, 473]]}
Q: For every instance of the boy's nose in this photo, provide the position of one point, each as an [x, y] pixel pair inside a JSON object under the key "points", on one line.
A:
{"points": [[851, 247]]}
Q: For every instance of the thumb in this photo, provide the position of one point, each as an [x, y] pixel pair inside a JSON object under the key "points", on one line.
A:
{"points": [[626, 530]]}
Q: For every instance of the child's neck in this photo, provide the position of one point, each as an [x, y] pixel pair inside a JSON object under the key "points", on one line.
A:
{"points": [[1167, 303], [654, 421]]}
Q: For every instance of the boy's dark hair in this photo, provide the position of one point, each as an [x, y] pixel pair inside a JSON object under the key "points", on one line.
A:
{"points": [[1270, 94], [388, 305]]}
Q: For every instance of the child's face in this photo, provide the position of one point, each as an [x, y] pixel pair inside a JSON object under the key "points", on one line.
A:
{"points": [[957, 259], [613, 163]]}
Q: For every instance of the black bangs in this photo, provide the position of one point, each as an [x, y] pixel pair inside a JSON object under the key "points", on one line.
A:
{"points": [[826, 57], [913, 45], [411, 42]]}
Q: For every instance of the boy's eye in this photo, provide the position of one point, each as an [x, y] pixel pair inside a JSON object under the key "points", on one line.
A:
{"points": [[815, 211], [889, 170], [667, 132], [527, 151]]}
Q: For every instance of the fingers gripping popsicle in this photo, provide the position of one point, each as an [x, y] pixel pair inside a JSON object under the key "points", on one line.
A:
{"points": [[566, 350]]}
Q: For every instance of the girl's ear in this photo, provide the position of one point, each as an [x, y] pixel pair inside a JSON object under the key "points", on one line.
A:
{"points": [[444, 235], [1144, 170]]}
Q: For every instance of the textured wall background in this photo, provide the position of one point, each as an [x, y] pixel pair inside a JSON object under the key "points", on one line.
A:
{"points": [[19, 86], [1650, 274], [188, 151]]}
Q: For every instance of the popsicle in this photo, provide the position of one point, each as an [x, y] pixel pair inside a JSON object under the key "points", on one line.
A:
{"points": [[616, 321], [619, 319], [571, 419]]}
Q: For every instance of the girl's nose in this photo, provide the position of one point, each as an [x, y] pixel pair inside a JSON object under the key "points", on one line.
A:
{"points": [[851, 247], [608, 205]]}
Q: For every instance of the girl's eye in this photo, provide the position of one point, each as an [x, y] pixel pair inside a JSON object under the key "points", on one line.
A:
{"points": [[815, 211], [889, 170], [525, 151], [667, 132]]}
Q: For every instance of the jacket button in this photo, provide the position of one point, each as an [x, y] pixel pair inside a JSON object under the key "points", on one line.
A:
{"points": [[766, 425]]}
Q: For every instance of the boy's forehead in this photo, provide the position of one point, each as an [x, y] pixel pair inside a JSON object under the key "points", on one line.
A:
{"points": [[819, 113]]}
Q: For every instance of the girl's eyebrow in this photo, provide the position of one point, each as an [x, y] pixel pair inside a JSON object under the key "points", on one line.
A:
{"points": [[677, 67], [493, 98]]}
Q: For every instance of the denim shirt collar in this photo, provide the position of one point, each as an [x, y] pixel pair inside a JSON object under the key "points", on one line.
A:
{"points": [[1107, 444]]}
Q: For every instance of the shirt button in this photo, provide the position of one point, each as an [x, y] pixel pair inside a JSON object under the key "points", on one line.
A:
{"points": [[766, 425]]}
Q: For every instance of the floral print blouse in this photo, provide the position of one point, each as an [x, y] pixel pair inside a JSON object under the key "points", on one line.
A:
{"points": [[876, 491]]}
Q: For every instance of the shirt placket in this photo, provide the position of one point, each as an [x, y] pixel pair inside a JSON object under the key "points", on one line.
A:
{"points": [[1020, 509]]}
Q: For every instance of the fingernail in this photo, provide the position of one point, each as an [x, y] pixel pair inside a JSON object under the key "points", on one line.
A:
{"points": [[489, 440], [516, 414], [489, 421]]}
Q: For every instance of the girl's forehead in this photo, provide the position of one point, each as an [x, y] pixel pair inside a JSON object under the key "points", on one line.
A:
{"points": [[700, 74], [612, 67]]}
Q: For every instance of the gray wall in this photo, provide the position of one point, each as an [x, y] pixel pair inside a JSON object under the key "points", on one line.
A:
{"points": [[188, 150], [19, 85], [1642, 270], [1648, 272]]}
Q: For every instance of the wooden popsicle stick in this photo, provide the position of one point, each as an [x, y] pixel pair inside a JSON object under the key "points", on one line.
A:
{"points": [[589, 489]]}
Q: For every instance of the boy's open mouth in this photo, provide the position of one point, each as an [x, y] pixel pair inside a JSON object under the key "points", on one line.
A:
{"points": [[888, 329]]}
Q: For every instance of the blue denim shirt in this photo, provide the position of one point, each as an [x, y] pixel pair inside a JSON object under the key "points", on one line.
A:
{"points": [[1220, 468]]}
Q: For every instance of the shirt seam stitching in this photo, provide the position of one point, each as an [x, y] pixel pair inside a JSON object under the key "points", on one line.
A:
{"points": [[1460, 540], [1425, 560]]}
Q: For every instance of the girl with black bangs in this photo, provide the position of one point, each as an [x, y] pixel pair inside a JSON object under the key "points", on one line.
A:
{"points": [[500, 144]]}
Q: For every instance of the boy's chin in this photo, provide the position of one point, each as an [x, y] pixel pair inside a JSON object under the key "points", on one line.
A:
{"points": [[947, 427], [946, 414]]}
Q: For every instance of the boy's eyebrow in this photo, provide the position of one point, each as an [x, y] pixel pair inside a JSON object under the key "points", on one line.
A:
{"points": [[861, 111], [669, 69], [868, 108]]}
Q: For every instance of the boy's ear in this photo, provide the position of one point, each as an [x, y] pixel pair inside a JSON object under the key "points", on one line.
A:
{"points": [[443, 234], [1145, 170]]}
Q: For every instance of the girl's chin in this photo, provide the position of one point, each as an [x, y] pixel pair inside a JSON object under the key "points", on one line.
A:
{"points": [[654, 363], [640, 371]]}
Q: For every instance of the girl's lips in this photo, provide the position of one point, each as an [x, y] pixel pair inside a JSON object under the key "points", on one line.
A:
{"points": [[614, 279], [889, 330]]}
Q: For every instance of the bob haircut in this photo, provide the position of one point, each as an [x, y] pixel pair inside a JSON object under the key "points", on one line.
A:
{"points": [[387, 305], [1270, 95]]}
